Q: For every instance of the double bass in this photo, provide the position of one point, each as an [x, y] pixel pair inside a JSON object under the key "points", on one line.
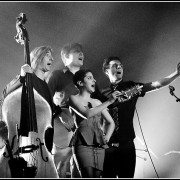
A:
{"points": [[28, 117]]}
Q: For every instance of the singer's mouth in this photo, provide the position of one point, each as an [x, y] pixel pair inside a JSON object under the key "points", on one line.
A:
{"points": [[119, 73], [80, 59]]}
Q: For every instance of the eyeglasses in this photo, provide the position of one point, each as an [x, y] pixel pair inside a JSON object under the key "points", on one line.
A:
{"points": [[115, 65]]}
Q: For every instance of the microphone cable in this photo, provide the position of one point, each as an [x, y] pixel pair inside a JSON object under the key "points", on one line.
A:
{"points": [[146, 144]]}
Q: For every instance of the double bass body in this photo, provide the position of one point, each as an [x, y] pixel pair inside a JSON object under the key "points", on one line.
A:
{"points": [[11, 110]]}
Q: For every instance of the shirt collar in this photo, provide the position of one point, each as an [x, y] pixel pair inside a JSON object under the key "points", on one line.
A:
{"points": [[67, 71], [113, 86]]}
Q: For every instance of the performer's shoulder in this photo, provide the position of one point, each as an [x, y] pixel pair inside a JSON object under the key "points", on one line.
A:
{"points": [[58, 73], [133, 83]]}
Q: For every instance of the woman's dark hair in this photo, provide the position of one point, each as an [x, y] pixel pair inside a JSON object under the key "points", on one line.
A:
{"points": [[79, 76]]}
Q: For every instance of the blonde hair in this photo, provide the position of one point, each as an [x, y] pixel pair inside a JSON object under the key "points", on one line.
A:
{"points": [[37, 54], [66, 49]]}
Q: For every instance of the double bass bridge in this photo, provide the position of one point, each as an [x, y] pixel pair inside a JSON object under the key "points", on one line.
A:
{"points": [[27, 149], [31, 148]]}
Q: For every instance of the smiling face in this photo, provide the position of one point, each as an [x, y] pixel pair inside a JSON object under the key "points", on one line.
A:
{"points": [[115, 71]]}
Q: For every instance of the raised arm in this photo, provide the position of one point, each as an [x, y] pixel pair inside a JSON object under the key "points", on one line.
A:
{"points": [[77, 105], [151, 86]]}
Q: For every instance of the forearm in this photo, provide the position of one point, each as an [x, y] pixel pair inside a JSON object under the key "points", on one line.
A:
{"points": [[167, 80], [109, 125], [109, 130], [14, 84], [93, 111], [160, 83]]}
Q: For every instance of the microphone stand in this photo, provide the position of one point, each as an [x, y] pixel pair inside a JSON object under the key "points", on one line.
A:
{"points": [[177, 99]]}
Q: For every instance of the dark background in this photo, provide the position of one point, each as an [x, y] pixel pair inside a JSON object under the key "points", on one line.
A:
{"points": [[146, 35]]}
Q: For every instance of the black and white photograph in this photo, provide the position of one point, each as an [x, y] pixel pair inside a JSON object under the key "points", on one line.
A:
{"points": [[90, 89]]}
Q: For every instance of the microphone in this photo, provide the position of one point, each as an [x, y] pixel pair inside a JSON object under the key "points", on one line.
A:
{"points": [[171, 88]]}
